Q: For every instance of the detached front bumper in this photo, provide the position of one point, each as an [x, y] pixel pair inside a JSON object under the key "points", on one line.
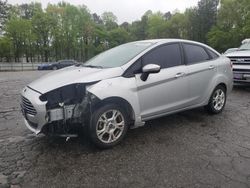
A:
{"points": [[33, 109], [37, 116]]}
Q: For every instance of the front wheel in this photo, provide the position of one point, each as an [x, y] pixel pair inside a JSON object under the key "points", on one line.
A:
{"points": [[217, 100], [108, 126]]}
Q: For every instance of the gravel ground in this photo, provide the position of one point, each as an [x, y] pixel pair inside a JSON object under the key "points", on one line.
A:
{"points": [[189, 149]]}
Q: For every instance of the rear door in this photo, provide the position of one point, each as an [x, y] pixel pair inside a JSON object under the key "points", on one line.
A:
{"points": [[201, 68]]}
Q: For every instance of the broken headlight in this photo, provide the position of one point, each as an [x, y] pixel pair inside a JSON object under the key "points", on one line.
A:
{"points": [[66, 95]]}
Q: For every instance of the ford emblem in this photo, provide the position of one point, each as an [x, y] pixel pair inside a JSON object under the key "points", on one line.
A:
{"points": [[240, 60]]}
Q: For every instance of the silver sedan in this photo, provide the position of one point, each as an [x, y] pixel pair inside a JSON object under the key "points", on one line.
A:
{"points": [[125, 86]]}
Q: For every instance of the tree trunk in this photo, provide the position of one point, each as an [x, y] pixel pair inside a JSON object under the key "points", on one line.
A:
{"points": [[86, 49], [27, 55], [46, 55], [81, 54]]}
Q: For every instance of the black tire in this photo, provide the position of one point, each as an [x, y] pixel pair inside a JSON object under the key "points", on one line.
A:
{"points": [[96, 122], [211, 107], [54, 68]]}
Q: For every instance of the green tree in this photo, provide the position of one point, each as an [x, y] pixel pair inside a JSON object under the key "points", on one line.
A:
{"points": [[139, 28], [199, 20], [19, 32], [65, 31], [156, 26], [87, 34], [4, 11], [42, 24], [27, 11], [191, 20], [118, 36], [206, 14], [232, 25], [176, 27], [109, 20], [5, 48]]}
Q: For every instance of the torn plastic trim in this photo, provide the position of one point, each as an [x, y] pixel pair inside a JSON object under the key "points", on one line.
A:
{"points": [[67, 95], [77, 112], [68, 119]]}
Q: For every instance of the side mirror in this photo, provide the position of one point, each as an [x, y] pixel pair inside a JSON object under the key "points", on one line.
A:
{"points": [[149, 69]]}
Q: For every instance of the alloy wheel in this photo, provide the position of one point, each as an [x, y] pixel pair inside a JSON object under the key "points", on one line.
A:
{"points": [[110, 126], [218, 99]]}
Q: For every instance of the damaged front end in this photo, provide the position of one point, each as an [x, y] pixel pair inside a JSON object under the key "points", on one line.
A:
{"points": [[60, 112]]}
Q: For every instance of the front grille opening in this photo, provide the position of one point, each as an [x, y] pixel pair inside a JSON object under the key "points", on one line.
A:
{"points": [[27, 107], [240, 60], [247, 71]]}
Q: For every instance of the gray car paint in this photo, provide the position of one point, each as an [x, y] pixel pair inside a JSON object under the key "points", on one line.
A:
{"points": [[72, 75], [171, 90]]}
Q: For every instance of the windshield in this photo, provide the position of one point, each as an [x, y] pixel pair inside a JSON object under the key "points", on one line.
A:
{"points": [[118, 56], [245, 46]]}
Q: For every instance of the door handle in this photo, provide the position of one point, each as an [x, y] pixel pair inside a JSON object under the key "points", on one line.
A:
{"points": [[179, 75], [211, 67]]}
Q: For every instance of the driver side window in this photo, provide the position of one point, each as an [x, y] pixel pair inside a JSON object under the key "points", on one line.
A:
{"points": [[166, 56]]}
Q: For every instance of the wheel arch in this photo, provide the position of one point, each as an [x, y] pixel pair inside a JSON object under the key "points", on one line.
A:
{"points": [[223, 85], [216, 85], [219, 80], [118, 101]]}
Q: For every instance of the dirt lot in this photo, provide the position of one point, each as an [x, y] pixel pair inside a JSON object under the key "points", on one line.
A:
{"points": [[189, 149]]}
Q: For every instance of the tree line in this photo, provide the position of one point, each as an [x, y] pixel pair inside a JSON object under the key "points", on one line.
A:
{"points": [[65, 31]]}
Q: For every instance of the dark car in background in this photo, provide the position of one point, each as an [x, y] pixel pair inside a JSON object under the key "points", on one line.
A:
{"points": [[57, 65]]}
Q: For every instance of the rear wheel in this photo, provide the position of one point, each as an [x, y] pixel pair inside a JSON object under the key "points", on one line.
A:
{"points": [[217, 100], [109, 125]]}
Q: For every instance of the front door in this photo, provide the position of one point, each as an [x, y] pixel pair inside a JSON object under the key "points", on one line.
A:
{"points": [[167, 90]]}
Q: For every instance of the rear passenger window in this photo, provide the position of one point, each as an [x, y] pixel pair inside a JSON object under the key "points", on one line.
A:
{"points": [[166, 56], [195, 54]]}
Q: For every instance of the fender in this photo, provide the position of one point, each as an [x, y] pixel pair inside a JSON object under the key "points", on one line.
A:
{"points": [[121, 87]]}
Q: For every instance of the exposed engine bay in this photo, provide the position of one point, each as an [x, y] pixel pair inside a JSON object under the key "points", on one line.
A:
{"points": [[68, 109]]}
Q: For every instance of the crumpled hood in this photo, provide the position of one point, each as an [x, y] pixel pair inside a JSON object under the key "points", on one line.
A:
{"points": [[245, 53], [71, 75]]}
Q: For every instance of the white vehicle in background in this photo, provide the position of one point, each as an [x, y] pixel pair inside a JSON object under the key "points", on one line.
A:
{"points": [[241, 63], [230, 50]]}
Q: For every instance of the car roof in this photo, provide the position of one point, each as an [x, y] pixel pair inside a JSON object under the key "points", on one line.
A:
{"points": [[158, 42], [163, 41]]}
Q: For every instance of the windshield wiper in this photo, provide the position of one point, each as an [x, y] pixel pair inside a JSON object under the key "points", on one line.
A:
{"points": [[93, 66]]}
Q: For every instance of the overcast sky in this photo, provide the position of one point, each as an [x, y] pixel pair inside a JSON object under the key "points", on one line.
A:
{"points": [[125, 10]]}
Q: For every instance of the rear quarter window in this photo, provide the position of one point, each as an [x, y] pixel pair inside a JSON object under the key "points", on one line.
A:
{"points": [[212, 54]]}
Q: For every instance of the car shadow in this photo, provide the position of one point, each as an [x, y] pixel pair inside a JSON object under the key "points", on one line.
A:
{"points": [[244, 88], [157, 130]]}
